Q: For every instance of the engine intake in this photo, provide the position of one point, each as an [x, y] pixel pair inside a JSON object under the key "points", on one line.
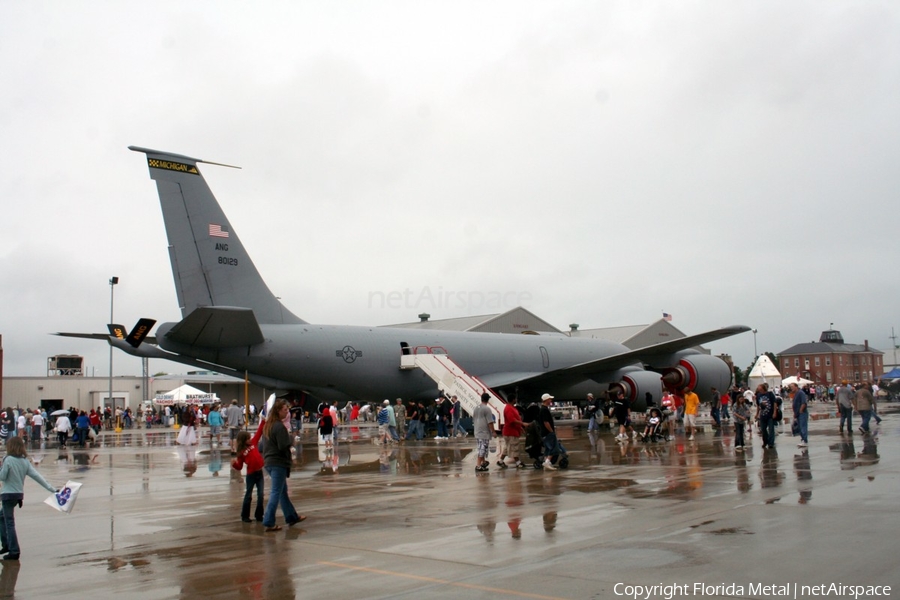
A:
{"points": [[635, 384], [700, 373]]}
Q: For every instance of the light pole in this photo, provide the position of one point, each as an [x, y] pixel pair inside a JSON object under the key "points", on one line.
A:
{"points": [[112, 282], [755, 353]]}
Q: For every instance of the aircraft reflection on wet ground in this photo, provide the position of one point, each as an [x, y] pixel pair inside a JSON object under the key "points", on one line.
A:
{"points": [[156, 520]]}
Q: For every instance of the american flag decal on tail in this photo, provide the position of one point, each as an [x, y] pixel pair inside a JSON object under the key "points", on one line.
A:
{"points": [[218, 231]]}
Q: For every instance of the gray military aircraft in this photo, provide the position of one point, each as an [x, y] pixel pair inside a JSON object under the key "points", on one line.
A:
{"points": [[232, 323]]}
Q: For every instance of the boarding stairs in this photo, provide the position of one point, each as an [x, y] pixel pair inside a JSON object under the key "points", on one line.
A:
{"points": [[451, 379]]}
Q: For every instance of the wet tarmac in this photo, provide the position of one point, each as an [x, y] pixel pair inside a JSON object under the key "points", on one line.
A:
{"points": [[154, 520]]}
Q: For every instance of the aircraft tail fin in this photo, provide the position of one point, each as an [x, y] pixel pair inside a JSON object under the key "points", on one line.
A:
{"points": [[209, 263]]}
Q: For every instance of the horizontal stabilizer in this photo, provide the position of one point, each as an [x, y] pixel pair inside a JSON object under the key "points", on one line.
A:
{"points": [[101, 336], [117, 331], [217, 327], [139, 332]]}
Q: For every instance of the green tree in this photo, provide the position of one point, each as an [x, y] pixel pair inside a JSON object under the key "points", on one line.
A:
{"points": [[739, 377]]}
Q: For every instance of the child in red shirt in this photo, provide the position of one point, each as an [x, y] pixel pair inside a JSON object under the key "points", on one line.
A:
{"points": [[248, 454]]}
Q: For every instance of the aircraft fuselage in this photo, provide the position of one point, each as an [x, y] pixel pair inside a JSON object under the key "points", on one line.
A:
{"points": [[364, 362]]}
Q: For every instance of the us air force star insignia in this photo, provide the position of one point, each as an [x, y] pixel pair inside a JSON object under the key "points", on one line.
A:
{"points": [[348, 353]]}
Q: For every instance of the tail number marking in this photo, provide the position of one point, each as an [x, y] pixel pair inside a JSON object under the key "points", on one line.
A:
{"points": [[225, 260]]}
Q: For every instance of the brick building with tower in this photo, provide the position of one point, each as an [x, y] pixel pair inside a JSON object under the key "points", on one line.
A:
{"points": [[831, 360]]}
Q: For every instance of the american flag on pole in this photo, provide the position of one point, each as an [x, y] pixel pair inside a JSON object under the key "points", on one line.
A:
{"points": [[218, 231], [666, 316]]}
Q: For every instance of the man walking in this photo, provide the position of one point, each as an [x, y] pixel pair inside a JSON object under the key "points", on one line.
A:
{"points": [[457, 430], [767, 405], [512, 431], [234, 418], [801, 413], [383, 418], [415, 425], [442, 414], [622, 412], [863, 402], [844, 399], [392, 421], [484, 429], [400, 416], [548, 431], [715, 406], [691, 410], [592, 409]]}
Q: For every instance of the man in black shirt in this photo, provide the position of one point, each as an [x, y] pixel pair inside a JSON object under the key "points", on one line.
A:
{"points": [[622, 413], [548, 431]]}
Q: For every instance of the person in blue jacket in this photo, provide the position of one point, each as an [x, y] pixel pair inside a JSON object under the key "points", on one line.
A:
{"points": [[12, 475], [82, 426]]}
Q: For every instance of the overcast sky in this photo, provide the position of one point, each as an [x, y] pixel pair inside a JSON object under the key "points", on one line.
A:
{"points": [[603, 162]]}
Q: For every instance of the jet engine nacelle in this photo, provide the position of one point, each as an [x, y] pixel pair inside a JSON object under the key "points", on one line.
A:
{"points": [[700, 373], [635, 384]]}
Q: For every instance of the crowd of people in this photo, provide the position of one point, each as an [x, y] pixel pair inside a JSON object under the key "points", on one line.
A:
{"points": [[518, 427], [739, 407], [517, 431]]}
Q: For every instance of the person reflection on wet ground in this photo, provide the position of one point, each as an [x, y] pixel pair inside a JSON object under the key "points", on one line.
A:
{"points": [[215, 462], [514, 505], [803, 471], [848, 454], [486, 502], [550, 521], [768, 470], [869, 454], [83, 459], [743, 477], [188, 460], [515, 528], [487, 527], [9, 575]]}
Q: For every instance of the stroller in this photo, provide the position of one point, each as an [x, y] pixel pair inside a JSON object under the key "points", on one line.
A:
{"points": [[653, 430], [534, 445], [563, 456], [534, 440], [558, 450]]}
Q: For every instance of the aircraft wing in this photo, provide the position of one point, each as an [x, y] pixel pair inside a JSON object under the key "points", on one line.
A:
{"points": [[685, 343], [615, 362]]}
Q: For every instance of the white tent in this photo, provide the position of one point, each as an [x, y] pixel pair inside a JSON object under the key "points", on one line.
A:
{"points": [[185, 395], [763, 372], [794, 379]]}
